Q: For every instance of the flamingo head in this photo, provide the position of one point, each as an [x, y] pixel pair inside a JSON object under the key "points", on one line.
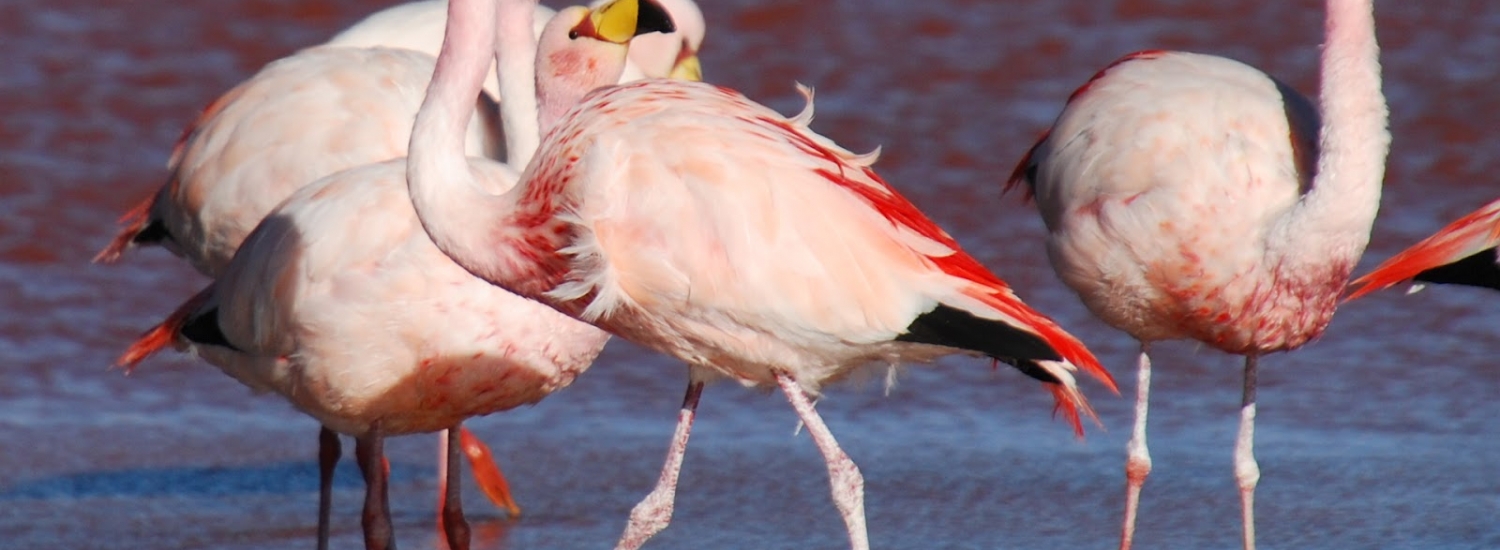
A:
{"points": [[618, 21], [582, 49]]}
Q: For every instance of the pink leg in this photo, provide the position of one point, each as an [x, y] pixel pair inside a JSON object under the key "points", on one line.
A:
{"points": [[844, 477], [369, 452], [329, 450], [655, 511], [455, 527], [442, 475], [1138, 457], [1246, 471]]}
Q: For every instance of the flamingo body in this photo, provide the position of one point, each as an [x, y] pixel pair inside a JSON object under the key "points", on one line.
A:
{"points": [[1462, 253], [377, 324], [729, 268], [300, 118], [1190, 197], [1141, 175]]}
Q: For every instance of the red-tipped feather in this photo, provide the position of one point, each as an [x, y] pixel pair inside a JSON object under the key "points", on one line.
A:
{"points": [[1019, 174], [988, 288], [139, 217], [134, 221], [1469, 235], [163, 335]]}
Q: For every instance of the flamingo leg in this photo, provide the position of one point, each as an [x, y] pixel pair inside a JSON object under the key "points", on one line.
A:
{"points": [[454, 526], [848, 486], [654, 512], [1246, 471], [1137, 455], [329, 450], [487, 473], [369, 452]]}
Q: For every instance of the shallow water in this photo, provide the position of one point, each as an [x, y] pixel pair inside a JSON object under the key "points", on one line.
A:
{"points": [[1380, 435]]}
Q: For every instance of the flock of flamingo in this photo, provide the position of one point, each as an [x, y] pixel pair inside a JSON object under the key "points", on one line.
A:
{"points": [[379, 266]]}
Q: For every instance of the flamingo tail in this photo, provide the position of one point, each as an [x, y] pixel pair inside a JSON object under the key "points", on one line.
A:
{"points": [[164, 334]]}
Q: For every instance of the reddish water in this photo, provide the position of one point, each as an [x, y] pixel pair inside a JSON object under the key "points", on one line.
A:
{"points": [[1382, 434]]}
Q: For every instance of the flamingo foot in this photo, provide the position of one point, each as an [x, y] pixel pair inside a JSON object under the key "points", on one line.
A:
{"points": [[848, 485], [654, 512], [487, 473]]}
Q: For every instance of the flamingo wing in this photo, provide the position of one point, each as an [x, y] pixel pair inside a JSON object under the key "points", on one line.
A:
{"points": [[745, 225], [1463, 253]]}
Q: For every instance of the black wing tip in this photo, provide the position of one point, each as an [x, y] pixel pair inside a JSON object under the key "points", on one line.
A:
{"points": [[1479, 270], [955, 328], [154, 233], [203, 329]]}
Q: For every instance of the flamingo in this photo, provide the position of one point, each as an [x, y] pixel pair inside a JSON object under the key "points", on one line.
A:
{"points": [[1182, 202], [322, 110], [1462, 253], [691, 220], [304, 309]]}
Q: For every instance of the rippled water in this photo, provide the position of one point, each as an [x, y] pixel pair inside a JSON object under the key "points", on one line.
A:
{"points": [[1381, 435]]}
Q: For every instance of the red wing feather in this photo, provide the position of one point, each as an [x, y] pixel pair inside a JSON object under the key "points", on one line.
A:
{"points": [[1470, 234], [135, 220], [989, 288], [164, 334]]}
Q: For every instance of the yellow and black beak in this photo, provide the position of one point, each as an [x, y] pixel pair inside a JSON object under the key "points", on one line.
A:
{"points": [[687, 66], [619, 21]]}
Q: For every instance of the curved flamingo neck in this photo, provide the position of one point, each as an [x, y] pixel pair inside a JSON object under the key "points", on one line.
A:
{"points": [[450, 202], [1334, 219], [515, 51]]}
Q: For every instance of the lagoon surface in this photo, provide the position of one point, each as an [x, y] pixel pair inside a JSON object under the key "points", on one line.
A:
{"points": [[1382, 434]]}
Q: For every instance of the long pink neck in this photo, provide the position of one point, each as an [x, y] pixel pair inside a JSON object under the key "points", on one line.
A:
{"points": [[454, 208], [1334, 219], [515, 50]]}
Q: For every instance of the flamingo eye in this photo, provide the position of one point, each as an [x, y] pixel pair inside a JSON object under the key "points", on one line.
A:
{"points": [[573, 35]]}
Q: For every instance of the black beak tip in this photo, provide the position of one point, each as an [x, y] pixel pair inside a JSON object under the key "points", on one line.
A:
{"points": [[653, 18]]}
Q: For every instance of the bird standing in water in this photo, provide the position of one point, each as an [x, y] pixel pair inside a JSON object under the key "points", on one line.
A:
{"points": [[1190, 196], [698, 223], [370, 329]]}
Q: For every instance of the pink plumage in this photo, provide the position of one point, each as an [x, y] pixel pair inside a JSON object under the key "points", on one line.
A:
{"points": [[1189, 196], [695, 222]]}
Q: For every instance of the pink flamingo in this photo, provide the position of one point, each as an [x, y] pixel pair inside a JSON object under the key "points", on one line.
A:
{"points": [[323, 110], [693, 221], [1182, 201], [305, 308], [1463, 253]]}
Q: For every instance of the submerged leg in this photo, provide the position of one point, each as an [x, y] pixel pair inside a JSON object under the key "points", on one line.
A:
{"points": [[655, 511], [329, 450], [1246, 471], [487, 473], [454, 526], [370, 453], [844, 477], [1138, 457]]}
